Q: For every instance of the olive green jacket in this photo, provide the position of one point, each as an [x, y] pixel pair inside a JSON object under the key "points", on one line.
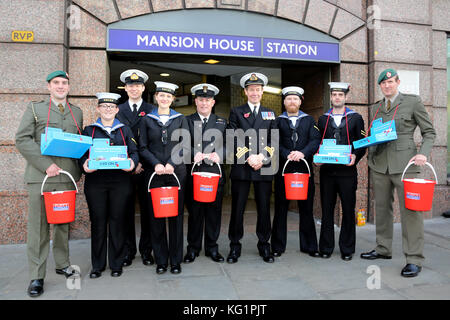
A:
{"points": [[393, 156], [28, 140]]}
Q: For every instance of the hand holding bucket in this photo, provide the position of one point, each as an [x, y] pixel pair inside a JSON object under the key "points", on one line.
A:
{"points": [[164, 199], [296, 184], [205, 184], [60, 205], [418, 192]]}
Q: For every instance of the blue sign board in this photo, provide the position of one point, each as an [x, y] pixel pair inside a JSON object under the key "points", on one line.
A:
{"points": [[229, 45]]}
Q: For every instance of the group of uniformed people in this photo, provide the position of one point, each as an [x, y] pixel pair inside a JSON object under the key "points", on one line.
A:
{"points": [[147, 131]]}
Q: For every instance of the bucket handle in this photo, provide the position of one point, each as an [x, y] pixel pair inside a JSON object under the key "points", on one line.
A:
{"points": [[150, 181], [307, 165], [60, 171], [427, 163], [198, 163]]}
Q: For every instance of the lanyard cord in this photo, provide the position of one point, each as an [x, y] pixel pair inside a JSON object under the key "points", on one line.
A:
{"points": [[326, 126], [48, 118], [375, 117]]}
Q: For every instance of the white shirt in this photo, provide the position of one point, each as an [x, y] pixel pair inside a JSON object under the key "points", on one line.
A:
{"points": [[164, 118], [337, 119], [138, 104], [203, 117], [253, 106]]}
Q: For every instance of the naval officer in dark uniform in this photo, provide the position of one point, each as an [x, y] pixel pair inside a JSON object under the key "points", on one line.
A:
{"points": [[108, 191], [344, 125], [208, 150], [130, 113], [299, 139], [156, 145], [257, 152]]}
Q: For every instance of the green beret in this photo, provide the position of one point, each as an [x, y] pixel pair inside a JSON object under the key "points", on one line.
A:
{"points": [[386, 74], [58, 73]]}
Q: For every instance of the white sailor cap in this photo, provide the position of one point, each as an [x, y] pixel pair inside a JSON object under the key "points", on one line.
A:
{"points": [[253, 78], [108, 97], [287, 91], [162, 86], [204, 90], [133, 76], [339, 86]]}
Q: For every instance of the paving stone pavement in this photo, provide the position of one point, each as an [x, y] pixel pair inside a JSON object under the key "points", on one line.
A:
{"points": [[293, 276]]}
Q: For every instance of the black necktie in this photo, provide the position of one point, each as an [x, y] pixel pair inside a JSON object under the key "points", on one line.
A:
{"points": [[135, 109], [205, 121], [255, 113]]}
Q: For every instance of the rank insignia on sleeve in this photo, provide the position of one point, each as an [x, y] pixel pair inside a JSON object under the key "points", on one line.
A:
{"points": [[241, 151], [270, 150]]}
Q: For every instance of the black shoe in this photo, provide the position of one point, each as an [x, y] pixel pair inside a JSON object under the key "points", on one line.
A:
{"points": [[277, 253], [314, 254], [67, 271], [372, 255], [36, 288], [325, 255], [267, 256], [446, 214], [190, 257], [116, 273], [346, 257], [95, 274], [411, 270], [147, 259], [215, 256], [127, 261], [233, 256], [176, 268], [161, 268]]}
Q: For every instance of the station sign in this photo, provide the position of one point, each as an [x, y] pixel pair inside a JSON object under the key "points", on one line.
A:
{"points": [[226, 45]]}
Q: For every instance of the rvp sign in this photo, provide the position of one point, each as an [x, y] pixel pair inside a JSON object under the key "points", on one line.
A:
{"points": [[22, 36]]}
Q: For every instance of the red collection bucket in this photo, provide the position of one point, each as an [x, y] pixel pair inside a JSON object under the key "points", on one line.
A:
{"points": [[60, 205], [418, 192], [296, 184], [164, 199], [205, 184]]}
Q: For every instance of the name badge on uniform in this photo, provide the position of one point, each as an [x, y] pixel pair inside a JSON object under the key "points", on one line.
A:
{"points": [[267, 115]]}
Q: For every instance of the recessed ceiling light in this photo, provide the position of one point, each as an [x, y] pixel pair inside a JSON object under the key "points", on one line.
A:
{"points": [[273, 90], [211, 61], [164, 74]]}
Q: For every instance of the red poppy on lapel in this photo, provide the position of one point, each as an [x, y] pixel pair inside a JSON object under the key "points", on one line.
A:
{"points": [[246, 115], [142, 114]]}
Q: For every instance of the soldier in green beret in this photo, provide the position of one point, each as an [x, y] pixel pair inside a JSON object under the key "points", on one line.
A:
{"points": [[58, 113], [387, 162]]}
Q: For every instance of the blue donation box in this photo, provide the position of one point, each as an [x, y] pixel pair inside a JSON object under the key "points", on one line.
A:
{"points": [[105, 156], [62, 144], [330, 152], [379, 133]]}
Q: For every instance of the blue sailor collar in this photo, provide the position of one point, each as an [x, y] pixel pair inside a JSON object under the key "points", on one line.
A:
{"points": [[348, 111], [116, 125], [172, 115], [301, 114]]}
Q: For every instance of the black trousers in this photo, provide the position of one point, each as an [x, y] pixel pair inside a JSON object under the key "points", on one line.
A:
{"points": [[167, 248], [139, 190], [107, 206], [307, 229], [205, 215], [239, 194], [345, 187]]}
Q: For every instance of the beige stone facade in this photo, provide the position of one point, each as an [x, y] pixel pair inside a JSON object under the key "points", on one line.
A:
{"points": [[405, 34]]}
